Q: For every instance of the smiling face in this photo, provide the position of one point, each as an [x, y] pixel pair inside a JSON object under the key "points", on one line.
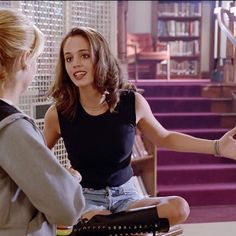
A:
{"points": [[78, 61]]}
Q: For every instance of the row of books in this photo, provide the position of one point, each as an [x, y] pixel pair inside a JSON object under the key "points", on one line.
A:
{"points": [[161, 69], [175, 28], [139, 149], [183, 48], [179, 8], [189, 67]]}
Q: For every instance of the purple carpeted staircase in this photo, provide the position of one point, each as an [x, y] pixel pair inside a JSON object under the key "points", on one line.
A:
{"points": [[204, 110]]}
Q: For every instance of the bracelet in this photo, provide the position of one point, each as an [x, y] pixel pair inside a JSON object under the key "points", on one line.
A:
{"points": [[217, 148]]}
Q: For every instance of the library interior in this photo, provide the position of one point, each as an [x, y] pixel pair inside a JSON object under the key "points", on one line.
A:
{"points": [[180, 56]]}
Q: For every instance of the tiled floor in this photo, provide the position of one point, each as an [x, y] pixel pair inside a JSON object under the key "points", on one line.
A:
{"points": [[210, 229]]}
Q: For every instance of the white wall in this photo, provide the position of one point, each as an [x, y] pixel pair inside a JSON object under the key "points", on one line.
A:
{"points": [[139, 17], [206, 33]]}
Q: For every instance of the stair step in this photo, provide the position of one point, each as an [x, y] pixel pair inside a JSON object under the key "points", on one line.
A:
{"points": [[218, 90], [202, 88], [172, 90], [201, 194], [204, 110], [212, 213], [196, 174], [189, 104], [204, 120], [167, 157]]}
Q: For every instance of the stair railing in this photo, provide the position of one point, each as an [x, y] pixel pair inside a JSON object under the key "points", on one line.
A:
{"points": [[219, 11], [230, 62]]}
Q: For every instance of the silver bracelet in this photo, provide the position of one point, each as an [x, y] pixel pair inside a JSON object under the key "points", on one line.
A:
{"points": [[217, 148]]}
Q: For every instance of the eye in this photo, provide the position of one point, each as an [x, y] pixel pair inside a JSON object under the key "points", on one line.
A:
{"points": [[85, 56], [68, 59]]}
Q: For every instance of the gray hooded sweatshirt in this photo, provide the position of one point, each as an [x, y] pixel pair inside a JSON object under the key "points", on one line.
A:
{"points": [[36, 192]]}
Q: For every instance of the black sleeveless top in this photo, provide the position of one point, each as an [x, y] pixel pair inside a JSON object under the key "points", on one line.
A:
{"points": [[100, 147]]}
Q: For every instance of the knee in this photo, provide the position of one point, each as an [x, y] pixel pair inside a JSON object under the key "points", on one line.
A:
{"points": [[180, 210]]}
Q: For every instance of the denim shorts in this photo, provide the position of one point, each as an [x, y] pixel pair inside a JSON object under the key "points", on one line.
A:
{"points": [[114, 199]]}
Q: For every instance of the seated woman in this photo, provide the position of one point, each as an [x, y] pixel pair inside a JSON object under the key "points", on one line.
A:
{"points": [[96, 113]]}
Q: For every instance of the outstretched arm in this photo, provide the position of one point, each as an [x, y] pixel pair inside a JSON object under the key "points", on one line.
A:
{"points": [[176, 141], [227, 144]]}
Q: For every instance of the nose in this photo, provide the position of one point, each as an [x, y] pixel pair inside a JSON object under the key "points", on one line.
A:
{"points": [[77, 62]]}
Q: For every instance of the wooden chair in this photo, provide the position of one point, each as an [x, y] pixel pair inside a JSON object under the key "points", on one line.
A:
{"points": [[143, 56]]}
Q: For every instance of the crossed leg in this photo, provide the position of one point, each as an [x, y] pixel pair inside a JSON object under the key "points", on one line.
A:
{"points": [[174, 208]]}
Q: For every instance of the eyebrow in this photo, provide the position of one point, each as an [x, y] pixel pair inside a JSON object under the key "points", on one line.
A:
{"points": [[81, 50]]}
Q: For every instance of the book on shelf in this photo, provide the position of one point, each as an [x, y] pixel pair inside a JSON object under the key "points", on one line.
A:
{"points": [[179, 24], [181, 9], [189, 67], [173, 28]]}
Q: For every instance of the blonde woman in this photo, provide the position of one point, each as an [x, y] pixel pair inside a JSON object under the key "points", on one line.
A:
{"points": [[96, 113], [36, 192]]}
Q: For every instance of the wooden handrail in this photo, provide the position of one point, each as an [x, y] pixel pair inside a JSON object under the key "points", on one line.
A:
{"points": [[219, 11], [230, 64]]}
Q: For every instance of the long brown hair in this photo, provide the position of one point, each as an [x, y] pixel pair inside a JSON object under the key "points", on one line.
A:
{"points": [[108, 76]]}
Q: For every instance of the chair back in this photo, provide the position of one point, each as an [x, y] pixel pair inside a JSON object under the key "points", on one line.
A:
{"points": [[143, 41]]}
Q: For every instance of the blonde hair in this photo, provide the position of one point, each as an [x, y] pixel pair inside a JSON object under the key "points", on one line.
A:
{"points": [[18, 34], [108, 78]]}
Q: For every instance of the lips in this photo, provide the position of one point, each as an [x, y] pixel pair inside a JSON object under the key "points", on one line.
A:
{"points": [[79, 74]]}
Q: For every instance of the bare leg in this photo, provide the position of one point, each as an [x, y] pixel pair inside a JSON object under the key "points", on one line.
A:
{"points": [[88, 215], [174, 208]]}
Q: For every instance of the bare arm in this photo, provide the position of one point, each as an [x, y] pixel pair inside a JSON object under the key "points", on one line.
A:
{"points": [[176, 141], [51, 127], [52, 134]]}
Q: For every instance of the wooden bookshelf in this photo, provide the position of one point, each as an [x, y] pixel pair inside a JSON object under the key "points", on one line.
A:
{"points": [[144, 164], [179, 24]]}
